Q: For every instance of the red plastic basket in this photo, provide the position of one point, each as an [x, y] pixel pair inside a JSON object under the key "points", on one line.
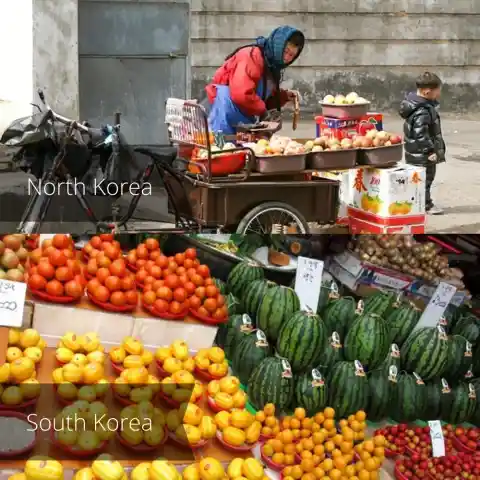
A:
{"points": [[161, 372], [204, 375], [207, 320], [221, 165], [164, 315], [53, 298], [460, 447], [125, 401], [75, 452], [28, 448], [214, 407], [111, 308], [117, 367], [399, 475], [183, 444], [143, 447], [132, 268], [233, 448], [18, 408], [269, 463]]}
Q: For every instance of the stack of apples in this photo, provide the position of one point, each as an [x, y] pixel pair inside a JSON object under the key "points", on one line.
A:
{"points": [[375, 138]]}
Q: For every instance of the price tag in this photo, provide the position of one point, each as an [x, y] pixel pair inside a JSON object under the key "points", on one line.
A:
{"points": [[436, 435], [436, 306], [308, 282], [12, 301]]}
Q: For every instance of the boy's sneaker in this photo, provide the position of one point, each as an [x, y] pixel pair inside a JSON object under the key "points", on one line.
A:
{"points": [[434, 210]]}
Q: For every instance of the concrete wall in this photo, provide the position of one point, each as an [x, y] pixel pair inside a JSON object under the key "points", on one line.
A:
{"points": [[375, 47]]}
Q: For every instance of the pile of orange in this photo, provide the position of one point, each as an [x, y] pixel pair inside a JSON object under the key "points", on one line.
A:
{"points": [[270, 423], [104, 243], [149, 250]]}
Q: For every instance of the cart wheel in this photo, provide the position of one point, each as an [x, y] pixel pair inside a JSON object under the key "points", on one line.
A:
{"points": [[272, 217]]}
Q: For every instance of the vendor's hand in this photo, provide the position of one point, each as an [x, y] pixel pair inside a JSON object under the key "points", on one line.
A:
{"points": [[292, 95]]}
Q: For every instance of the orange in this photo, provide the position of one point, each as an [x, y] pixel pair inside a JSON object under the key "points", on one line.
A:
{"points": [[299, 447], [329, 412], [308, 476], [286, 422], [296, 433], [327, 464], [305, 433], [354, 478], [332, 432], [361, 416], [338, 439], [306, 454], [260, 416], [278, 458], [317, 459], [269, 409], [318, 438], [307, 465], [374, 475], [318, 450], [370, 464], [359, 466], [348, 434], [348, 457], [288, 478], [270, 421], [315, 427], [364, 455], [379, 440], [308, 444], [329, 446], [287, 471], [350, 471], [277, 445], [267, 431], [346, 447], [324, 431], [319, 418], [289, 448], [319, 473], [343, 423], [336, 453], [351, 418], [335, 474], [368, 446], [268, 450], [363, 475], [307, 423], [295, 423], [359, 435], [300, 413], [356, 425], [275, 430], [289, 459], [363, 425], [358, 448], [286, 436], [379, 452], [339, 463], [329, 424], [297, 472]]}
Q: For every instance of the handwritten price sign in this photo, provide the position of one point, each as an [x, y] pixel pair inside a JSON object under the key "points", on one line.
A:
{"points": [[308, 282], [12, 301]]}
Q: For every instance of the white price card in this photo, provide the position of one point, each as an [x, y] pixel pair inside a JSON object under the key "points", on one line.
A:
{"points": [[437, 305], [308, 282], [436, 435], [12, 302]]}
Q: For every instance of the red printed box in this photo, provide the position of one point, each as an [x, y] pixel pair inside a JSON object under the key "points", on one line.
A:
{"points": [[341, 128], [372, 118], [358, 226]]}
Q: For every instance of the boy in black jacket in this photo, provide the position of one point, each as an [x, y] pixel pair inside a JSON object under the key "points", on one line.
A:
{"points": [[424, 145]]}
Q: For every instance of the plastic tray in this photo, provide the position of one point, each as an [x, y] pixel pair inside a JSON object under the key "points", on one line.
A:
{"points": [[399, 475], [161, 372], [164, 315], [336, 159], [75, 452], [222, 165], [280, 163], [345, 112], [118, 368], [14, 453], [132, 268], [18, 408], [53, 298], [143, 447], [207, 320], [204, 375], [268, 462], [460, 447], [381, 156], [110, 307], [233, 448]]}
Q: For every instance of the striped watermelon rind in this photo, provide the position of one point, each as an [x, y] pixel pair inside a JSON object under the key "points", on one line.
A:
{"points": [[401, 321], [439, 399], [331, 354], [409, 398], [459, 358], [468, 326], [380, 302], [339, 315], [236, 327], [463, 405], [271, 382], [301, 339], [381, 384], [243, 274], [311, 392], [253, 295]]}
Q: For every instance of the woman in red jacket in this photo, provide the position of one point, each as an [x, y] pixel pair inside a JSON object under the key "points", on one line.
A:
{"points": [[247, 85]]}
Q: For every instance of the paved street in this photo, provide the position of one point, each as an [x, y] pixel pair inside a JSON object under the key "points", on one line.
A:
{"points": [[457, 187]]}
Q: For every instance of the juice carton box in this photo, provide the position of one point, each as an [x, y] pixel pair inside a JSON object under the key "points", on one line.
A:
{"points": [[371, 118], [394, 194], [336, 128]]}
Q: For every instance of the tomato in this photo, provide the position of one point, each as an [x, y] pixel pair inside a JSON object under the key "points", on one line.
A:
{"points": [[203, 270], [191, 253], [152, 244], [161, 305], [155, 254], [202, 311], [179, 294], [74, 265], [118, 298], [164, 293], [172, 281], [161, 261], [101, 293], [142, 252], [172, 266], [209, 281], [112, 252], [149, 280], [107, 237], [36, 282], [63, 274], [195, 302], [191, 272], [141, 275], [197, 280], [96, 242], [218, 314], [210, 304], [224, 311], [113, 283], [211, 291], [132, 257], [157, 284], [33, 271], [80, 280], [189, 287], [220, 301], [92, 285], [68, 253], [183, 279], [88, 249], [175, 307], [46, 270], [196, 262], [200, 292], [47, 243], [156, 271], [73, 289], [141, 263], [61, 241], [103, 260], [128, 283], [102, 274], [148, 265], [57, 258], [118, 267], [36, 255], [149, 297], [179, 258], [188, 263], [54, 288], [95, 253], [131, 297], [186, 304]]}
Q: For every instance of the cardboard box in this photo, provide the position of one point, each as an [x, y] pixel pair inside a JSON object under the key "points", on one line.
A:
{"points": [[391, 193], [345, 193], [358, 226], [373, 118], [341, 128]]}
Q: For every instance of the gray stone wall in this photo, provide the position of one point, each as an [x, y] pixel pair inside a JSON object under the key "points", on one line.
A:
{"points": [[374, 47]]}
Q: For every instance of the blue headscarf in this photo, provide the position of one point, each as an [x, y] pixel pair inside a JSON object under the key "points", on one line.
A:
{"points": [[274, 45]]}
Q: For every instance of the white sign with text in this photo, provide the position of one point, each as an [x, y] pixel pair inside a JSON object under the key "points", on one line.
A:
{"points": [[12, 302], [308, 282], [438, 441]]}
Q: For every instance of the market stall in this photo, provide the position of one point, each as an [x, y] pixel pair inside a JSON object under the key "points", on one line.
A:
{"points": [[312, 383]]}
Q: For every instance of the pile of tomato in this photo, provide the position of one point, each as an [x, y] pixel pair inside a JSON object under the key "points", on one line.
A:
{"points": [[180, 283], [104, 243], [113, 285], [149, 250], [53, 269]]}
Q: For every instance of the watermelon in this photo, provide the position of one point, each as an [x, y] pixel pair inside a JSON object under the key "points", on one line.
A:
{"points": [[278, 304], [476, 361], [401, 321], [221, 285], [468, 326], [459, 358], [425, 352], [348, 389], [301, 339], [439, 399], [381, 386], [380, 302], [475, 419], [408, 398], [339, 315], [253, 296], [391, 360], [242, 275], [311, 392], [463, 405], [271, 382], [367, 340], [237, 326], [252, 349], [233, 305], [331, 354]]}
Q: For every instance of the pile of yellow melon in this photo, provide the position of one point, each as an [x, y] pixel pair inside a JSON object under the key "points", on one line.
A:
{"points": [[88, 345], [136, 385], [131, 354], [211, 469], [18, 383], [104, 467], [212, 361], [182, 387], [157, 470], [238, 428], [83, 425], [190, 425], [226, 393], [142, 423], [174, 358], [25, 344]]}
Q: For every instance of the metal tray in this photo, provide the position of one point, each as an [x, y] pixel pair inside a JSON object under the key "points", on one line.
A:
{"points": [[337, 159], [280, 163], [345, 112], [381, 156]]}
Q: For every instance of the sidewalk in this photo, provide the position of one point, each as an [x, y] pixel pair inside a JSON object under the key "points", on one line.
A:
{"points": [[457, 187]]}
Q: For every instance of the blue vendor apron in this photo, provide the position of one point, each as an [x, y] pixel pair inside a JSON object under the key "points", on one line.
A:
{"points": [[225, 115]]}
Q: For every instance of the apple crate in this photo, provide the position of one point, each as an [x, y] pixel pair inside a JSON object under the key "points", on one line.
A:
{"points": [[381, 156], [344, 112]]}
